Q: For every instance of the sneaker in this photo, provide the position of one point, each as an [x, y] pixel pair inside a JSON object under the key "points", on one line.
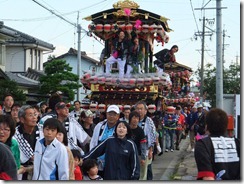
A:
{"points": [[192, 150], [160, 153], [177, 148], [171, 150], [166, 150]]}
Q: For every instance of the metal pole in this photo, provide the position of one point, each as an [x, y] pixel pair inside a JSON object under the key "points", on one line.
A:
{"points": [[202, 60], [223, 49], [219, 62], [78, 59]]}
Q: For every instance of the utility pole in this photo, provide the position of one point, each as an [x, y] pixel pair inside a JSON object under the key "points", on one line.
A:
{"points": [[223, 48], [78, 59], [219, 62], [202, 35], [79, 28]]}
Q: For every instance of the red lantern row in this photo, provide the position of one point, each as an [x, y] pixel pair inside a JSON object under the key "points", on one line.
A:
{"points": [[145, 28], [132, 82], [185, 73], [182, 100], [102, 107]]}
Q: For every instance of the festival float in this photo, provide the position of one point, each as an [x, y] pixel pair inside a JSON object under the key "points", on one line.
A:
{"points": [[157, 91]]}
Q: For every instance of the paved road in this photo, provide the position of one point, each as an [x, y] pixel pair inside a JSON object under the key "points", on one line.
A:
{"points": [[164, 166]]}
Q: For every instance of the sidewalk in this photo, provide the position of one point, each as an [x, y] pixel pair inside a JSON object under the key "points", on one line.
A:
{"points": [[187, 169]]}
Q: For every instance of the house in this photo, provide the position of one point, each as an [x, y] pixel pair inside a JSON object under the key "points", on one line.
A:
{"points": [[21, 51], [87, 64], [21, 59]]}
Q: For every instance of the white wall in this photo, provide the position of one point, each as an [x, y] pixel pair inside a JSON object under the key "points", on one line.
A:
{"points": [[15, 59], [2, 56]]}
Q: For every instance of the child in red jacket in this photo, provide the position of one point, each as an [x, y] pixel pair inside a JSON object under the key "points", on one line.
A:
{"points": [[78, 162]]}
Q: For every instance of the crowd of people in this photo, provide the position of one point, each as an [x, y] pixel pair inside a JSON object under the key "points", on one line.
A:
{"points": [[51, 142]]}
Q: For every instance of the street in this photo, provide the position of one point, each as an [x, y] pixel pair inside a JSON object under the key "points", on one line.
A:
{"points": [[165, 166]]}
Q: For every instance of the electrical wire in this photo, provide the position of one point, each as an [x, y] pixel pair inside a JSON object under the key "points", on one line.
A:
{"points": [[194, 16], [71, 23], [51, 17]]}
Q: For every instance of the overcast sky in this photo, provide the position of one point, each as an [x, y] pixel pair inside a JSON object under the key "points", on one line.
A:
{"points": [[30, 18]]}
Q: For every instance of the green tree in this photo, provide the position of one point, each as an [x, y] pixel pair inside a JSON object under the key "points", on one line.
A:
{"points": [[231, 81], [59, 78], [11, 87]]}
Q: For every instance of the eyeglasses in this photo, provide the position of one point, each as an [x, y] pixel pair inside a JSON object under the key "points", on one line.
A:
{"points": [[5, 130], [32, 115]]}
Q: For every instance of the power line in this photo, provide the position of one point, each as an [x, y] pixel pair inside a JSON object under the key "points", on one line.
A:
{"points": [[52, 17], [51, 11], [194, 15], [79, 28], [60, 16]]}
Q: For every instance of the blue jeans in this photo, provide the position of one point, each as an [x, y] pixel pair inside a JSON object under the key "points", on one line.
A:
{"points": [[169, 138]]}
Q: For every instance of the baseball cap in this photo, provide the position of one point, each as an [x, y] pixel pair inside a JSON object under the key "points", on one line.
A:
{"points": [[199, 105], [61, 105], [89, 113], [114, 108]]}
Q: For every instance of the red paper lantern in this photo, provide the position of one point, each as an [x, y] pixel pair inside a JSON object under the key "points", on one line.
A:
{"points": [[151, 108], [101, 107], [84, 106], [122, 27], [93, 79], [153, 28], [124, 81], [108, 81], [114, 81], [132, 82], [101, 80], [159, 28], [156, 80], [148, 81], [145, 28], [170, 110], [128, 28], [99, 28], [93, 107], [140, 81], [107, 28]]}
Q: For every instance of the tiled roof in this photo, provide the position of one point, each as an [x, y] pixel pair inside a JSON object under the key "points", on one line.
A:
{"points": [[21, 79], [83, 56], [20, 37]]}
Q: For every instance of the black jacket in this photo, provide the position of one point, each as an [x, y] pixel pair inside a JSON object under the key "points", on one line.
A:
{"points": [[121, 158]]}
